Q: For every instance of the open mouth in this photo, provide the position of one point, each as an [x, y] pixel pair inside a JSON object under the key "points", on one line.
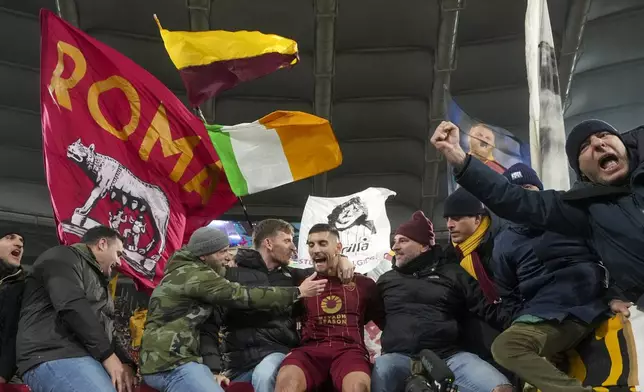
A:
{"points": [[16, 253], [74, 157], [608, 162], [320, 259]]}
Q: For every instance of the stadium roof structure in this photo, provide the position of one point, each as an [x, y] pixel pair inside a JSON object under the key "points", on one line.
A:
{"points": [[375, 68]]}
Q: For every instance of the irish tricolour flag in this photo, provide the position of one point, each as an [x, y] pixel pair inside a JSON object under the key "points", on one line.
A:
{"points": [[277, 149]]}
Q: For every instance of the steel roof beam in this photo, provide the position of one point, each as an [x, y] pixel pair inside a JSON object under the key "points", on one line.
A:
{"points": [[444, 64], [326, 12], [571, 45]]}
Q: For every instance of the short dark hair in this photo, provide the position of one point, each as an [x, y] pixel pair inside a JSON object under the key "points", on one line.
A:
{"points": [[324, 228], [93, 235], [268, 228]]}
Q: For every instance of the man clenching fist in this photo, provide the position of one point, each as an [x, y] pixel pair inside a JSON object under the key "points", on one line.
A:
{"points": [[446, 139]]}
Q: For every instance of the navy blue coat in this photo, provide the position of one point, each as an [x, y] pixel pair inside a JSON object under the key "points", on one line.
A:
{"points": [[550, 275], [611, 217]]}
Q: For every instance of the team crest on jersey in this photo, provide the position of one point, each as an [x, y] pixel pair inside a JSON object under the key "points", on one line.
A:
{"points": [[331, 304], [350, 286]]}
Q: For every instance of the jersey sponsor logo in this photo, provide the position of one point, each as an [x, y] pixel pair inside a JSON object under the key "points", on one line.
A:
{"points": [[331, 304]]}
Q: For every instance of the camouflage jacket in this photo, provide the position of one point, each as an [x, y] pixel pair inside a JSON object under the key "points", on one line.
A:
{"points": [[184, 299]]}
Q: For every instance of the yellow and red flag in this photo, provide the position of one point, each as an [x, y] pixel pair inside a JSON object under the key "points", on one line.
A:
{"points": [[210, 62]]}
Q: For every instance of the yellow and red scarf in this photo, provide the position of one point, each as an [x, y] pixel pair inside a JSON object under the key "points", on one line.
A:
{"points": [[471, 262]]}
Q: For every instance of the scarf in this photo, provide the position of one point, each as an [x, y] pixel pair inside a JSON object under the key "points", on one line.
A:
{"points": [[471, 262]]}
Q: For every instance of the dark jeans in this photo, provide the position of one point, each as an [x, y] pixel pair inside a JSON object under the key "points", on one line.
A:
{"points": [[523, 349]]}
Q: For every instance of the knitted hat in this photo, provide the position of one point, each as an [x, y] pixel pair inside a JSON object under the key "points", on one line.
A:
{"points": [[207, 240], [462, 203], [522, 174], [579, 134], [419, 229], [11, 230]]}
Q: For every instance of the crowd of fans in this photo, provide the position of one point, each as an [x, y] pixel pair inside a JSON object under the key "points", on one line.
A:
{"points": [[528, 274]]}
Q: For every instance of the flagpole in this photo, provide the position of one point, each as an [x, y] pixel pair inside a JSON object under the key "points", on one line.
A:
{"points": [[199, 113], [241, 202]]}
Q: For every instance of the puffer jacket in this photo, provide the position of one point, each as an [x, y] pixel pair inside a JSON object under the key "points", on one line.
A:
{"points": [[426, 302], [67, 311], [184, 300], [12, 283], [247, 336], [552, 276]]}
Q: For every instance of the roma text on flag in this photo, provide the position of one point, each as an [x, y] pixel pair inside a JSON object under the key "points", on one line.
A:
{"points": [[210, 62], [121, 150], [279, 148]]}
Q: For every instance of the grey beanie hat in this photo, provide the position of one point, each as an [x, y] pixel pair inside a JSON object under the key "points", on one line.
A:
{"points": [[207, 240]]}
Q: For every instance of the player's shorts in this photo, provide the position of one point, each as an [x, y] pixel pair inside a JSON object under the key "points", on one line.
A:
{"points": [[319, 363]]}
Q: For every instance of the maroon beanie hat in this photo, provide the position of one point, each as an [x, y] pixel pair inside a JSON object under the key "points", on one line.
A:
{"points": [[419, 229]]}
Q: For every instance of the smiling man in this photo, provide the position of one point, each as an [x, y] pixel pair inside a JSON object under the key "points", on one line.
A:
{"points": [[65, 336], [12, 282], [333, 349], [605, 206], [426, 296]]}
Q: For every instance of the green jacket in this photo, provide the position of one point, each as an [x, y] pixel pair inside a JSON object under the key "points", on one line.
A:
{"points": [[184, 299]]}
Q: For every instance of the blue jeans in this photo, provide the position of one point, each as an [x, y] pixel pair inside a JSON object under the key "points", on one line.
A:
{"points": [[471, 372], [80, 374], [263, 376], [189, 377]]}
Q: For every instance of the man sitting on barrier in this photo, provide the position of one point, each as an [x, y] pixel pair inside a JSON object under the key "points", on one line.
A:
{"points": [[560, 284], [66, 335], [333, 348], [427, 295], [184, 299]]}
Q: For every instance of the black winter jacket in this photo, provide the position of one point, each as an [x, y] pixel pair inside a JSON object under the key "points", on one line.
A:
{"points": [[12, 283], [552, 276], [67, 311], [612, 217], [247, 336], [425, 303]]}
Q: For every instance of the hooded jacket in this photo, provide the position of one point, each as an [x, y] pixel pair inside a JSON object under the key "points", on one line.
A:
{"points": [[610, 217], [184, 300], [426, 301], [12, 283], [551, 276]]}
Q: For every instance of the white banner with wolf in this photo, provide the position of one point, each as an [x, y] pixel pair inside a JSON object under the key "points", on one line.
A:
{"points": [[361, 220]]}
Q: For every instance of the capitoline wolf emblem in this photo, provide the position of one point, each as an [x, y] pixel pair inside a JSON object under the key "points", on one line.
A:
{"points": [[138, 210]]}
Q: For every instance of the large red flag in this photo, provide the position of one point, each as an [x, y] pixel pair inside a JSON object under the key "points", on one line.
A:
{"points": [[121, 150]]}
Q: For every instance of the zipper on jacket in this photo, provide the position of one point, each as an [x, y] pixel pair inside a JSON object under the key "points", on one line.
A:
{"points": [[10, 276]]}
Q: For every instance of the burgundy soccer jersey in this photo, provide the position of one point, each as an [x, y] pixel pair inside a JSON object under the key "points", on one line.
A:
{"points": [[339, 314]]}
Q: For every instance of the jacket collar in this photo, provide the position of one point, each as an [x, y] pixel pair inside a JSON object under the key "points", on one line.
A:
{"points": [[423, 261], [9, 273], [250, 258], [88, 256]]}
